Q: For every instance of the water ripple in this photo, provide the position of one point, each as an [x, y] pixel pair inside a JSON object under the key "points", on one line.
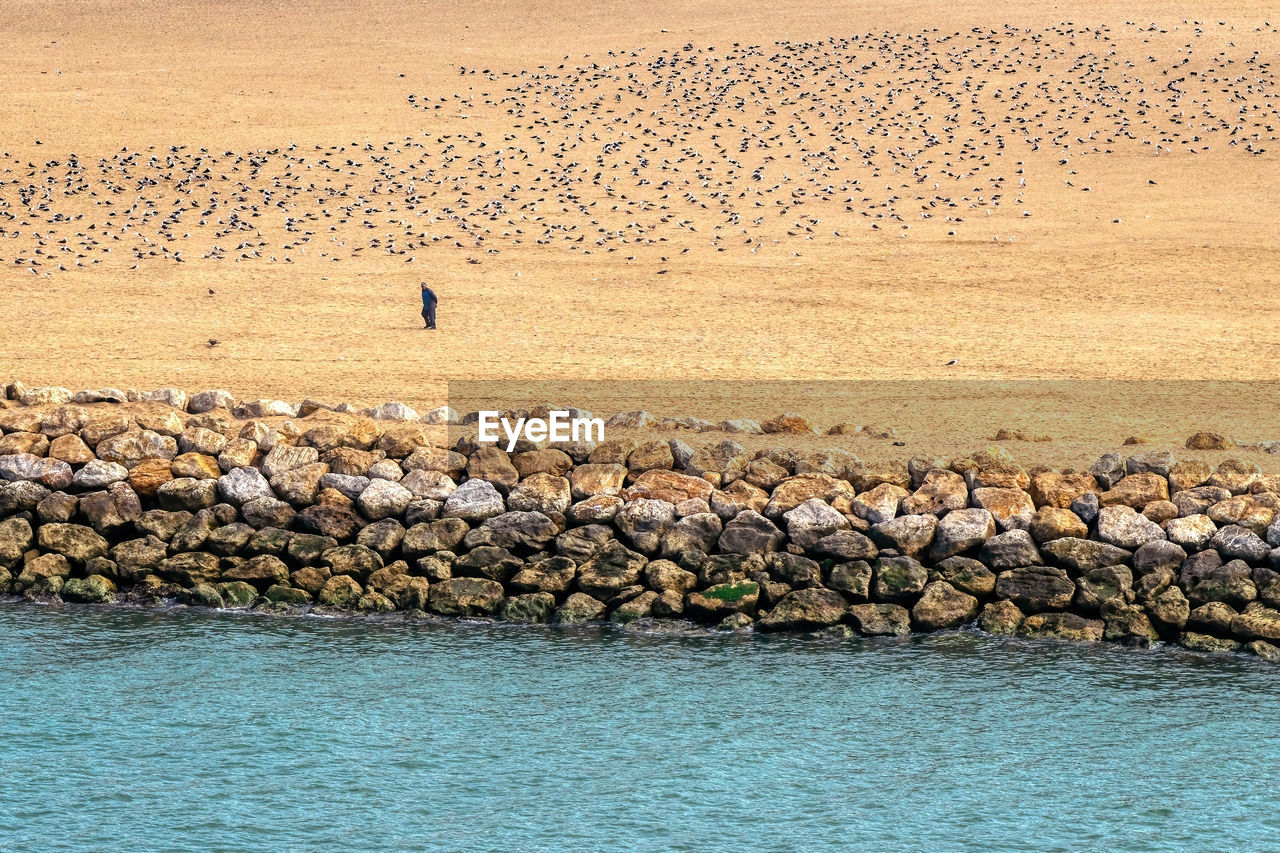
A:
{"points": [[125, 730]]}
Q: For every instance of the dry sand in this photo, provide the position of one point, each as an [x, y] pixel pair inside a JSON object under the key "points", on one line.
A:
{"points": [[1181, 287]]}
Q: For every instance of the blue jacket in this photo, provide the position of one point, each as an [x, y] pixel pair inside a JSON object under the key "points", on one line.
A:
{"points": [[428, 298]]}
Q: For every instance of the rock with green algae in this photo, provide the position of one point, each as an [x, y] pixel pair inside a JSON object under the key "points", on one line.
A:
{"points": [[1001, 617], [340, 591], [881, 620], [94, 589], [374, 602], [204, 595], [579, 608], [637, 608], [1207, 643], [1127, 623], [1264, 650], [898, 580], [805, 610], [1062, 626], [466, 597], [237, 594], [533, 607], [39, 574], [720, 600], [287, 595]]}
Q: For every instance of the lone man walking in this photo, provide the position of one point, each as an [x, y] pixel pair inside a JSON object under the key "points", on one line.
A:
{"points": [[428, 306]]}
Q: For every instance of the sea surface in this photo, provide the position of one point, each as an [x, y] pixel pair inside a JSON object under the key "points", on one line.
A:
{"points": [[132, 731]]}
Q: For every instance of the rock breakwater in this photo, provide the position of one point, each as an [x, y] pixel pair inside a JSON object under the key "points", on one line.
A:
{"points": [[212, 506]]}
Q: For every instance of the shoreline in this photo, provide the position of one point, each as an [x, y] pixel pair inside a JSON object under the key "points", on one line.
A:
{"points": [[370, 516]]}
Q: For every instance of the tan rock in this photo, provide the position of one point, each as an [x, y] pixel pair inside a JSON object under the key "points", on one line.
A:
{"points": [[790, 424], [1160, 511], [401, 439], [1136, 490], [103, 425], [1010, 507], [149, 475], [548, 460], [492, 463], [794, 491], [590, 480], [70, 449], [1052, 522], [764, 473], [64, 420], [1052, 488], [651, 456], [198, 466], [1188, 473], [163, 421], [940, 492], [24, 442], [1208, 441], [669, 486], [879, 504], [1235, 475]]}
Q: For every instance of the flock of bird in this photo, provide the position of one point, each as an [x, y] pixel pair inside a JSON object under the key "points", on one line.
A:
{"points": [[733, 149]]}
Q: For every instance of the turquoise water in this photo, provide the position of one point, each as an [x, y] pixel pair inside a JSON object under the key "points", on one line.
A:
{"points": [[193, 731]]}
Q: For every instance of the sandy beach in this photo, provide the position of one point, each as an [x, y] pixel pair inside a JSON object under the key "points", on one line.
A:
{"points": [[700, 192]]}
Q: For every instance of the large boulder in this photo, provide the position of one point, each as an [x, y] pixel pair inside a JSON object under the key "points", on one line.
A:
{"points": [[1010, 550], [591, 480], [98, 475], [805, 610], [74, 541], [553, 575], [383, 499], [961, 530], [907, 534], [1240, 543], [1052, 488], [612, 567], [1081, 555], [131, 447], [643, 522], [1036, 588], [670, 486], [966, 575], [811, 521], [241, 485], [579, 608], [698, 532], [1124, 527], [528, 530], [879, 504], [473, 502], [1062, 626], [898, 579], [50, 473], [881, 620], [941, 492], [750, 533], [16, 538], [1192, 532], [720, 600], [943, 606], [540, 492], [1136, 491], [1011, 508], [493, 465]]}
